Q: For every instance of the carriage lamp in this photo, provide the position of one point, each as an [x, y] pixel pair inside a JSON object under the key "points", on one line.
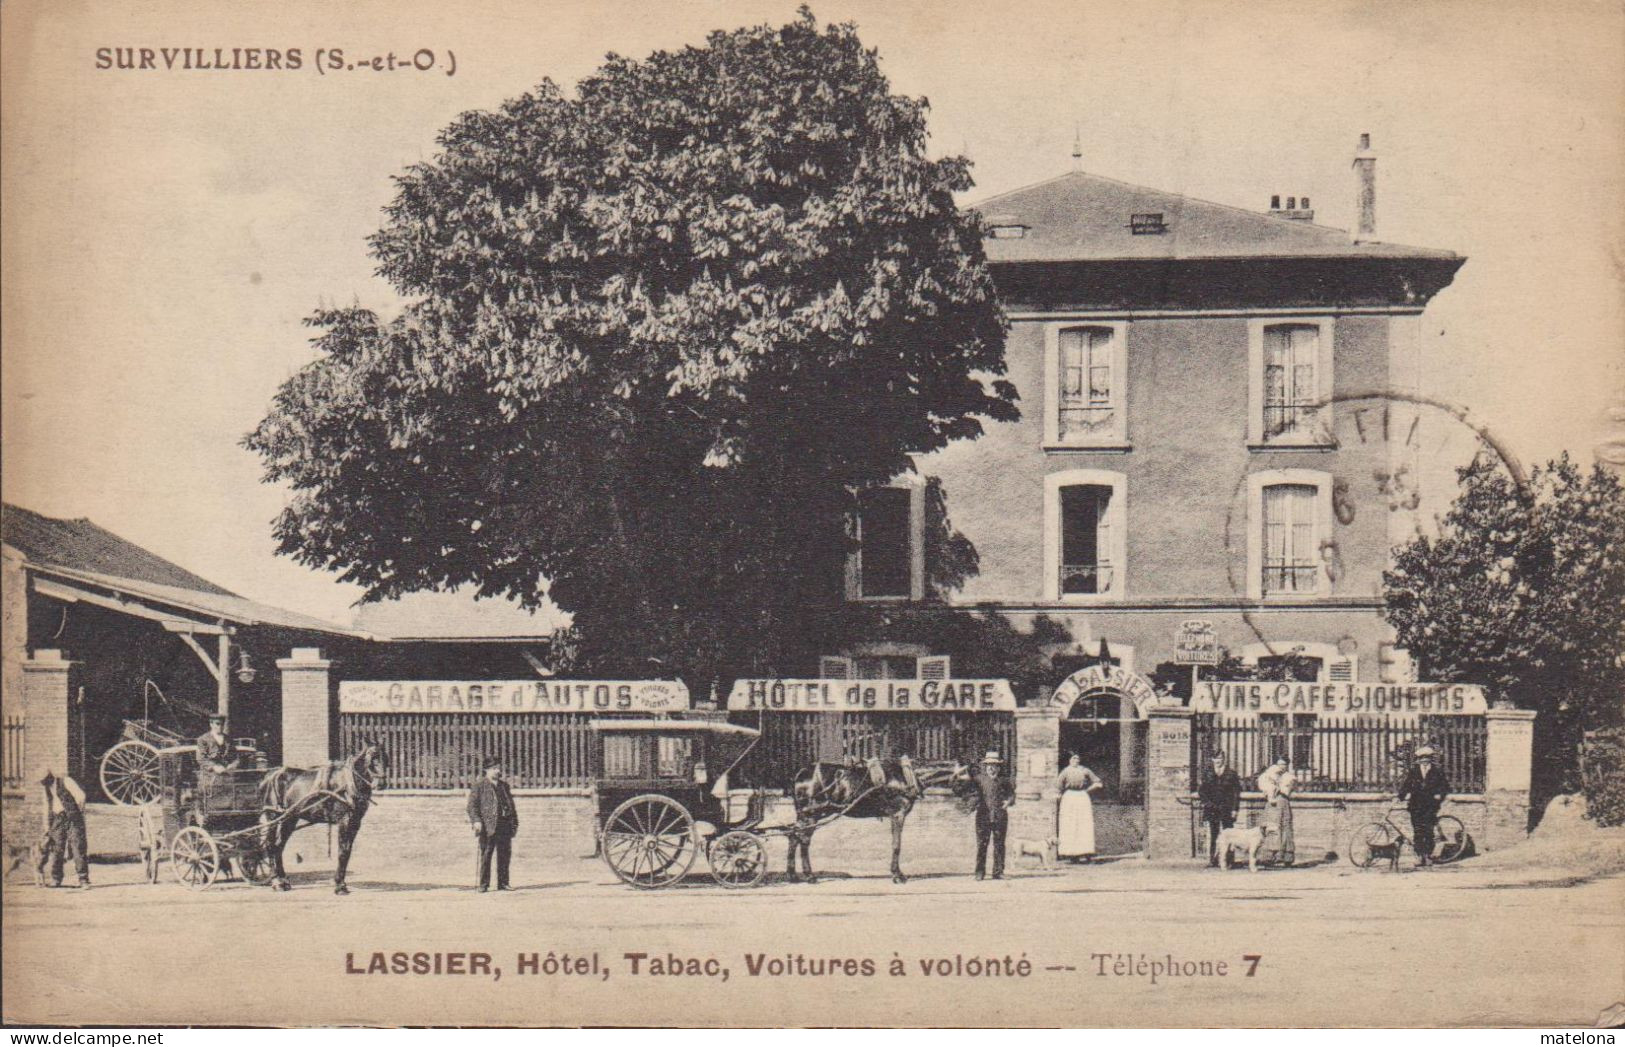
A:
{"points": [[245, 672]]}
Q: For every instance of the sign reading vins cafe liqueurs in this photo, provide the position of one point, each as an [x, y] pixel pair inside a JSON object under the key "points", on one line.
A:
{"points": [[1386, 699], [511, 696], [901, 696]]}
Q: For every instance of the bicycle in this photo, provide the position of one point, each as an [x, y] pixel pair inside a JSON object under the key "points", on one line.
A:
{"points": [[1385, 839]]}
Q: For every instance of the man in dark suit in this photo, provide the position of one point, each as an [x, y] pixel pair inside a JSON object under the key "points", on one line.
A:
{"points": [[1220, 794], [994, 796], [495, 820], [1424, 790], [215, 755]]}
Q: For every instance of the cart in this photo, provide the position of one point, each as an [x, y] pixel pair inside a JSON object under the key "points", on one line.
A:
{"points": [[129, 770], [663, 798], [203, 835]]}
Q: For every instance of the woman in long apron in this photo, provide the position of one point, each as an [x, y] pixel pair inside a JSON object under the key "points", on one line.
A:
{"points": [[1277, 785], [1075, 833]]}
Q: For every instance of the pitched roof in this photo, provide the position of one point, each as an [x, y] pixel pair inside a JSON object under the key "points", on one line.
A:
{"points": [[457, 616], [93, 561], [1085, 217], [82, 545]]}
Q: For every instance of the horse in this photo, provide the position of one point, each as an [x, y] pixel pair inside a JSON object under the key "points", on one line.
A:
{"points": [[862, 789], [337, 793]]}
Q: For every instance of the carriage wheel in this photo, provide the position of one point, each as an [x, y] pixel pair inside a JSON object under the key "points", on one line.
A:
{"points": [[147, 842], [649, 841], [194, 858], [130, 773], [254, 867], [738, 859], [1377, 834], [1450, 840]]}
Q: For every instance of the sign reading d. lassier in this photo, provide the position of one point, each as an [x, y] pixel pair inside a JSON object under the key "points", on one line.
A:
{"points": [[511, 696], [1392, 699], [910, 696]]}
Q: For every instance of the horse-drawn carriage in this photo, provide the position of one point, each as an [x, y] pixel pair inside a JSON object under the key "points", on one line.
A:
{"points": [[205, 831], [663, 798]]}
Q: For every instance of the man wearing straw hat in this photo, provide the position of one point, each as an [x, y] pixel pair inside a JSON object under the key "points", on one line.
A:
{"points": [[994, 795], [1423, 791]]}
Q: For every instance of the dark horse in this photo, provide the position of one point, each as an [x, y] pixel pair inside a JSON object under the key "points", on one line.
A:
{"points": [[862, 789], [338, 793]]}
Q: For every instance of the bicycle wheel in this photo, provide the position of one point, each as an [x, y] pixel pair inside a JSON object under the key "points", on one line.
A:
{"points": [[1449, 840], [1368, 840]]}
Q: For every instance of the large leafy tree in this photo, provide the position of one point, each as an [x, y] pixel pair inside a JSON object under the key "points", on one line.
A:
{"points": [[656, 333], [1523, 589]]}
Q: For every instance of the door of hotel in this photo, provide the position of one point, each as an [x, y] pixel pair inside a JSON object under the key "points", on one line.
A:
{"points": [[1104, 730]]}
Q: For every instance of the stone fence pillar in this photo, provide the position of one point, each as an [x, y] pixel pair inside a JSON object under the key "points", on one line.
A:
{"points": [[1168, 783], [1038, 738], [48, 710], [307, 715], [1507, 763]]}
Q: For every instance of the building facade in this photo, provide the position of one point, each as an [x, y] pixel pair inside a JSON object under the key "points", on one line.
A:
{"points": [[1212, 404]]}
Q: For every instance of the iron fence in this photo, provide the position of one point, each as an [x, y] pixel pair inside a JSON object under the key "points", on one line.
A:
{"points": [[1343, 754], [16, 737], [444, 750], [793, 741]]}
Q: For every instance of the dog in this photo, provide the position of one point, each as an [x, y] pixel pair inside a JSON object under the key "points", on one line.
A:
{"points": [[19, 854], [1389, 851], [1237, 838], [1043, 850]]}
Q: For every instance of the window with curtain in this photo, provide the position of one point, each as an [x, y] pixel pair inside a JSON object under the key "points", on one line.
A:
{"points": [[1086, 540], [1290, 542], [1087, 385], [1290, 388]]}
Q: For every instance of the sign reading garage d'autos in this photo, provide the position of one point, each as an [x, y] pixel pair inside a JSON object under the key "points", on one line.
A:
{"points": [[873, 695], [511, 696]]}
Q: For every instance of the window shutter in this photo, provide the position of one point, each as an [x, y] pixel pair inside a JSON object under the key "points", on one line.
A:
{"points": [[831, 667], [935, 668], [1340, 670], [1103, 542]]}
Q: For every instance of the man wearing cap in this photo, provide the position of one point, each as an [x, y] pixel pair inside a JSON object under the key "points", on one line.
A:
{"points": [[1423, 791], [215, 754], [994, 796], [64, 817], [495, 820]]}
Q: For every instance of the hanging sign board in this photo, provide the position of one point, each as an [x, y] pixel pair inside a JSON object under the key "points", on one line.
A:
{"points": [[857, 696], [512, 696], [1196, 643], [1391, 699]]}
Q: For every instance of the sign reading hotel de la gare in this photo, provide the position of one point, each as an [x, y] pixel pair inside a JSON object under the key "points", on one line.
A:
{"points": [[898, 696], [512, 696]]}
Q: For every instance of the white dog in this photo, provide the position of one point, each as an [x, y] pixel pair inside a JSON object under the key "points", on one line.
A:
{"points": [[1243, 839], [1043, 850]]}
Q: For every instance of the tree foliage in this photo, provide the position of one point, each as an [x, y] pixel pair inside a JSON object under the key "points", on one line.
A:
{"points": [[1523, 590], [657, 331]]}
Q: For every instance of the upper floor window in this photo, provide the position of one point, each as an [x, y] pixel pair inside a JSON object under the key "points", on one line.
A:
{"points": [[1085, 379], [1291, 383], [1289, 540], [883, 667], [1084, 543], [1291, 563], [889, 561]]}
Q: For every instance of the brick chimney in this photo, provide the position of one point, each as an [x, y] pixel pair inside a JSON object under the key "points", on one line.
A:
{"points": [[1297, 208], [1365, 169]]}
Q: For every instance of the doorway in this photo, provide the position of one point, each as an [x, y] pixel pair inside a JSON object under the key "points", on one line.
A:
{"points": [[1104, 731]]}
